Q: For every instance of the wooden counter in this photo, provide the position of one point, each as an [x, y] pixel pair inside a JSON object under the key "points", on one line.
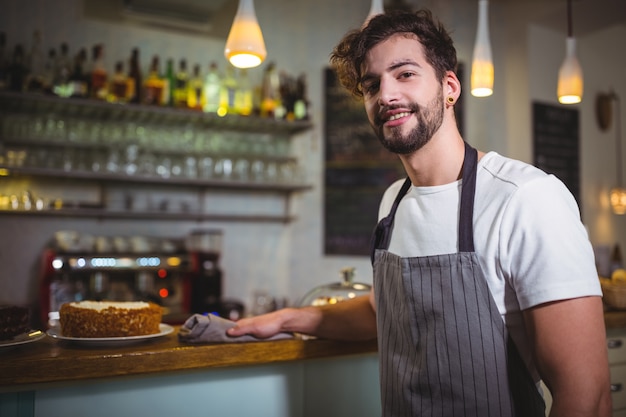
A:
{"points": [[614, 319], [48, 360]]}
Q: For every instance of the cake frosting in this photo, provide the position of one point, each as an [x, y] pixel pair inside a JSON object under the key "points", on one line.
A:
{"points": [[103, 305]]}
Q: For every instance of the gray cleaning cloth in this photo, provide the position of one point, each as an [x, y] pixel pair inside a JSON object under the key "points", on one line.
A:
{"points": [[212, 329]]}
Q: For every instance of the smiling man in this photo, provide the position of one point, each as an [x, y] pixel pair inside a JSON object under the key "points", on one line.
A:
{"points": [[484, 277]]}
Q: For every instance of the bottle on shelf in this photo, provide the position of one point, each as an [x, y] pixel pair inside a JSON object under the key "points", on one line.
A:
{"points": [[180, 88], [153, 89], [134, 77], [195, 93], [79, 78], [211, 88], [35, 63], [301, 106], [98, 73], [228, 92], [49, 71], [119, 85], [244, 96], [62, 72], [18, 71], [169, 83], [270, 92]]}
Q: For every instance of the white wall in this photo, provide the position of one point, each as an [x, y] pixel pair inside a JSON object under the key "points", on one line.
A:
{"points": [[300, 34], [603, 60]]}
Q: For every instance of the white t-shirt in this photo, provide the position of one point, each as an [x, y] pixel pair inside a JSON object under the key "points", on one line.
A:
{"points": [[528, 236]]}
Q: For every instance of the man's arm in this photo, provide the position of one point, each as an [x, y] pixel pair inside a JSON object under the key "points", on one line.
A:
{"points": [[569, 346], [352, 319]]}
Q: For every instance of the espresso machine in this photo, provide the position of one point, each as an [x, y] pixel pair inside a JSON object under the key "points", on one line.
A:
{"points": [[177, 273], [206, 295]]}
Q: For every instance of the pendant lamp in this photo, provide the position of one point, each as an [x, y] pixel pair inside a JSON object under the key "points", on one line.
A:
{"points": [[375, 9], [481, 79], [245, 47], [570, 86]]}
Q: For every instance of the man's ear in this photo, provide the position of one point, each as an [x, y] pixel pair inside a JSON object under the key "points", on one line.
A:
{"points": [[452, 86]]}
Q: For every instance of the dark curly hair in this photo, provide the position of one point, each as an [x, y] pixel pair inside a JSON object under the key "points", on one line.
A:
{"points": [[348, 56]]}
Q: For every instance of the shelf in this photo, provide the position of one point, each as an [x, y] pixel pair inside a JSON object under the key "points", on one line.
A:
{"points": [[263, 171], [144, 179], [148, 215], [94, 109]]}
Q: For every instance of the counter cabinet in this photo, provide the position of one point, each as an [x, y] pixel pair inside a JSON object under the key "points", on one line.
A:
{"points": [[88, 158], [616, 344], [290, 378]]}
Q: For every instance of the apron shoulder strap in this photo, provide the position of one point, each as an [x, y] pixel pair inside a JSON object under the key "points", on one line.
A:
{"points": [[382, 232], [468, 188]]}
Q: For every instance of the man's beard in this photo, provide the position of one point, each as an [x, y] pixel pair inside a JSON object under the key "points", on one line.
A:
{"points": [[429, 120]]}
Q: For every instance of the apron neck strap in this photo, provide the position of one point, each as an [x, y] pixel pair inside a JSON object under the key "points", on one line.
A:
{"points": [[468, 188]]}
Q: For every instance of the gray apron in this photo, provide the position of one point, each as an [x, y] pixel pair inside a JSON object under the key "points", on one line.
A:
{"points": [[444, 348]]}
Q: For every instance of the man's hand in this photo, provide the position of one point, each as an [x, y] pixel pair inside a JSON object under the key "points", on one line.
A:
{"points": [[263, 326]]}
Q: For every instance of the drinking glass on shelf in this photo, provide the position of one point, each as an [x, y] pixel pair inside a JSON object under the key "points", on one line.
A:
{"points": [[144, 135], [242, 169], [184, 139], [76, 130], [205, 167], [81, 160], [216, 143], [159, 139], [257, 170], [146, 163], [113, 161], [200, 141], [281, 146], [271, 172], [37, 128], [191, 168], [224, 168], [116, 134], [130, 164], [95, 133], [164, 167], [130, 132], [98, 160], [288, 171], [55, 128], [15, 157], [176, 169], [69, 158]]}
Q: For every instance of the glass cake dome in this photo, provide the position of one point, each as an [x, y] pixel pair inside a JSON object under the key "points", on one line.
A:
{"points": [[336, 291]]}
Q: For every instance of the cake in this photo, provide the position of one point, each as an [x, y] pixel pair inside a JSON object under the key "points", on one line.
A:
{"points": [[88, 319], [14, 320]]}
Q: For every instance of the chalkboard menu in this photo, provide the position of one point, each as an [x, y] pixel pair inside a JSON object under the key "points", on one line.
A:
{"points": [[357, 171], [556, 143]]}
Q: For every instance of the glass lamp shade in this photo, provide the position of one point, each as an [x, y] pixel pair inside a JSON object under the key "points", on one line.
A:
{"points": [[570, 86], [245, 47], [375, 9], [482, 63], [618, 200]]}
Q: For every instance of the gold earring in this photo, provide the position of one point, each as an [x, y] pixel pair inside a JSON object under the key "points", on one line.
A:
{"points": [[450, 100]]}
